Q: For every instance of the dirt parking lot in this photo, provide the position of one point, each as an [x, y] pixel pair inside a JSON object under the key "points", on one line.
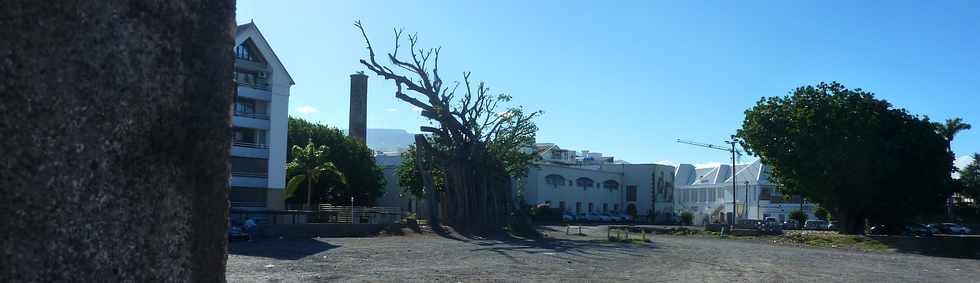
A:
{"points": [[569, 258]]}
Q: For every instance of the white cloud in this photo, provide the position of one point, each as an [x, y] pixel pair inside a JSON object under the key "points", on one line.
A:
{"points": [[392, 109], [306, 109]]}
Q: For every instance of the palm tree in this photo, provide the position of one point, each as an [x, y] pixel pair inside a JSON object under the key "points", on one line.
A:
{"points": [[951, 128], [311, 163]]}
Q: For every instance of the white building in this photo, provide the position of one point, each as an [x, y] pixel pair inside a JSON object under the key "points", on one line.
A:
{"points": [[258, 152], [707, 193], [590, 182]]}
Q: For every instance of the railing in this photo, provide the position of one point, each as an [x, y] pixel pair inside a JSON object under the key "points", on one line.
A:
{"points": [[358, 214], [248, 144], [257, 84], [261, 116], [251, 174], [248, 204]]}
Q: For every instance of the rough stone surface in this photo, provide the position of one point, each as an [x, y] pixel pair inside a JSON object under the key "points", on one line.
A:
{"points": [[115, 126]]}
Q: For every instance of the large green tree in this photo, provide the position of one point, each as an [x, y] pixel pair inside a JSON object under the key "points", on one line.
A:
{"points": [[365, 180], [476, 138], [851, 153], [970, 181]]}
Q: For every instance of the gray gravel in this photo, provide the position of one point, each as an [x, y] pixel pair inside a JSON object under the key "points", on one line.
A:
{"points": [[575, 258]]}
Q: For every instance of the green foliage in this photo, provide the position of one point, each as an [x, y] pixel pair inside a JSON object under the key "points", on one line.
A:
{"points": [[970, 178], [364, 179], [850, 152], [410, 181], [687, 218], [308, 164], [822, 214], [799, 216]]}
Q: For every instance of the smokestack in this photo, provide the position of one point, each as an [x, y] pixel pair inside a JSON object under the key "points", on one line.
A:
{"points": [[358, 107]]}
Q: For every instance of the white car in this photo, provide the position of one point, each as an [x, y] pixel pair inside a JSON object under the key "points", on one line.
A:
{"points": [[592, 217], [567, 217], [604, 217]]}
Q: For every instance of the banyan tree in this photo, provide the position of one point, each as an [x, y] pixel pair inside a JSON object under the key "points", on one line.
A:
{"points": [[478, 142]]}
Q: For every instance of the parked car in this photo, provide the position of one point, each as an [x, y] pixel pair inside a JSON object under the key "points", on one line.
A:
{"points": [[625, 217], [878, 230], [917, 230], [582, 216], [834, 225], [604, 217], [791, 224], [567, 217], [236, 230], [595, 216], [934, 228], [816, 225], [953, 228], [610, 217]]}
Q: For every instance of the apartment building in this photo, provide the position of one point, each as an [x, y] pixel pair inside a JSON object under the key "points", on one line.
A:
{"points": [[258, 151]]}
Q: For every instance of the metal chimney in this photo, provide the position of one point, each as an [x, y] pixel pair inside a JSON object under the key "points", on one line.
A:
{"points": [[358, 107]]}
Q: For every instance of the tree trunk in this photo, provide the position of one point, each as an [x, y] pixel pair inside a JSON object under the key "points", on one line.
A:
{"points": [[309, 191], [422, 150], [851, 222], [115, 126]]}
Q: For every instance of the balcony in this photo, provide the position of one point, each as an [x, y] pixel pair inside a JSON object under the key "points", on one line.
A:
{"points": [[252, 123], [260, 116], [254, 93], [250, 150], [249, 179]]}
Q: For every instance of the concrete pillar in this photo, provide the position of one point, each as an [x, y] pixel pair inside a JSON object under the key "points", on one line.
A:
{"points": [[358, 107], [115, 124]]}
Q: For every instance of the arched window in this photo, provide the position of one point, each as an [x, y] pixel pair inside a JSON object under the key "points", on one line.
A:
{"points": [[584, 182], [554, 180], [610, 185]]}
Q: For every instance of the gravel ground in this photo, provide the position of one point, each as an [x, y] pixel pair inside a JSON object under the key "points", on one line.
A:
{"points": [[430, 258]]}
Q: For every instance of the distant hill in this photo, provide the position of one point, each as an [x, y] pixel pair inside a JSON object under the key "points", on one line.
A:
{"points": [[389, 140]]}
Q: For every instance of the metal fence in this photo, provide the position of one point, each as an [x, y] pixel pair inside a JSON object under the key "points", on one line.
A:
{"points": [[358, 214]]}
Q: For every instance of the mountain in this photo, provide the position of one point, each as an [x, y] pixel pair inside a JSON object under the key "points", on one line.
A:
{"points": [[389, 140]]}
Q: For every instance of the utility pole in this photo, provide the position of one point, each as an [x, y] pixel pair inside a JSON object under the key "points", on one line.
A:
{"points": [[734, 151], [746, 204]]}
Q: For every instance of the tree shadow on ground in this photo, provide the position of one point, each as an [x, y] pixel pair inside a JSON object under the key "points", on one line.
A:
{"points": [[938, 246], [291, 249], [572, 250]]}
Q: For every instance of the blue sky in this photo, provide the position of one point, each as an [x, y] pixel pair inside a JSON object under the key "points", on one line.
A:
{"points": [[628, 78]]}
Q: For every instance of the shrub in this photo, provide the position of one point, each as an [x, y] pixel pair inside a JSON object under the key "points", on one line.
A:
{"points": [[822, 214], [799, 216], [687, 218]]}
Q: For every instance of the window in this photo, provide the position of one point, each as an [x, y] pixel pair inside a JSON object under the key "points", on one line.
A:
{"points": [[584, 182], [605, 207], [610, 185], [561, 204], [578, 207], [554, 180], [630, 193], [590, 207], [243, 105], [615, 207], [246, 51]]}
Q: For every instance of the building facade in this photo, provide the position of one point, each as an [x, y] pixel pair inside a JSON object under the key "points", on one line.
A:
{"points": [[584, 182], [259, 124], [707, 194]]}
